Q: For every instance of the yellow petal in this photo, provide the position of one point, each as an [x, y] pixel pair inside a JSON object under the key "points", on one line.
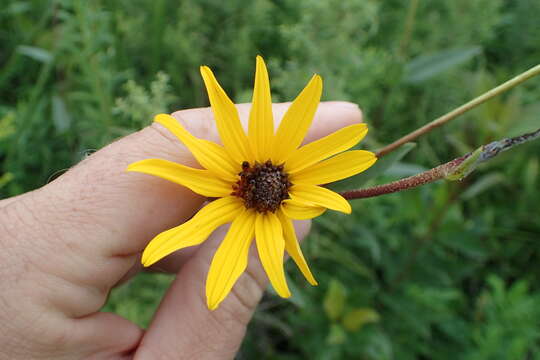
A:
{"points": [[209, 154], [300, 211], [339, 167], [228, 123], [261, 121], [316, 195], [321, 149], [194, 231], [271, 247], [231, 259], [297, 120], [293, 247], [202, 182]]}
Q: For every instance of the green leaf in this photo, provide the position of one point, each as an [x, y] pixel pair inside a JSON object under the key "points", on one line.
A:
{"points": [[334, 301], [425, 67], [60, 115], [17, 8], [482, 185], [341, 254], [466, 167], [35, 53], [403, 169], [530, 177], [5, 179], [528, 121], [7, 127], [378, 346], [337, 335], [356, 318], [379, 168], [299, 298]]}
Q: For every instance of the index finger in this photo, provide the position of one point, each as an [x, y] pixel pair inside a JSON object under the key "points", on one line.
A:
{"points": [[112, 213]]}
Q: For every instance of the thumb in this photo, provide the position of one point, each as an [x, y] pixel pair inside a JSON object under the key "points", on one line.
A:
{"points": [[184, 328]]}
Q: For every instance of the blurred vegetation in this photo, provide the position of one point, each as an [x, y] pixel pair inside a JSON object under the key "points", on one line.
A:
{"points": [[442, 272]]}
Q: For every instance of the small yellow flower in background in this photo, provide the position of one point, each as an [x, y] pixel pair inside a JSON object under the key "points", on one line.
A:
{"points": [[261, 180]]}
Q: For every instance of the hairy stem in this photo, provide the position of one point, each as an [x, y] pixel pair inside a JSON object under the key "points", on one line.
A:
{"points": [[460, 110], [453, 170], [426, 177]]}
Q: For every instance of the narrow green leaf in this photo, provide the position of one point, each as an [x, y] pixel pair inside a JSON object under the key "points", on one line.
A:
{"points": [[35, 53], [403, 169], [425, 67], [60, 114], [530, 177], [528, 121], [299, 298], [5, 179], [17, 8], [466, 167], [7, 125], [356, 318], [334, 301], [482, 185], [337, 335]]}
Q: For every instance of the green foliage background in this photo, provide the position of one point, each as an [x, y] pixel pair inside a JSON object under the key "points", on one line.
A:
{"points": [[442, 272]]}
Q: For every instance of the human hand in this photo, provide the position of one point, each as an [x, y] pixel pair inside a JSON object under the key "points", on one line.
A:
{"points": [[65, 245]]}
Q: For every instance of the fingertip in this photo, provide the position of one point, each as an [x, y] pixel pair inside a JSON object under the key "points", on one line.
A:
{"points": [[106, 335], [343, 112], [332, 116]]}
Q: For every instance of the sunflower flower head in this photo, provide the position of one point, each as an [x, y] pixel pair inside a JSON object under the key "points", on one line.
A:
{"points": [[261, 181]]}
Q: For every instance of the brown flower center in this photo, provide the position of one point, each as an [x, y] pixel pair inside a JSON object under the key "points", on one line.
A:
{"points": [[262, 186]]}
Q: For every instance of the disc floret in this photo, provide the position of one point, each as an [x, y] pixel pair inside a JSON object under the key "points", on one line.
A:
{"points": [[262, 186]]}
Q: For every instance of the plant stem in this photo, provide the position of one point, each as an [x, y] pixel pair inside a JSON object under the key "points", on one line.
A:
{"points": [[408, 28], [455, 169], [460, 110], [426, 177]]}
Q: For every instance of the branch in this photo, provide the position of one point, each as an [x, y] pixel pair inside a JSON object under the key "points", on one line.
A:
{"points": [[460, 110], [456, 169]]}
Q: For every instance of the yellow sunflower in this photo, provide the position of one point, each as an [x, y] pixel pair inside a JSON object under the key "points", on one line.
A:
{"points": [[261, 180]]}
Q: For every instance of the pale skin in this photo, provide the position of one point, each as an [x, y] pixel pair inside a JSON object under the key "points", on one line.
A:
{"points": [[67, 244]]}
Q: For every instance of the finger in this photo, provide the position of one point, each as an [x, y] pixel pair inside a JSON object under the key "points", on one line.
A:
{"points": [[330, 116], [50, 336], [131, 208], [104, 336], [210, 334], [100, 218]]}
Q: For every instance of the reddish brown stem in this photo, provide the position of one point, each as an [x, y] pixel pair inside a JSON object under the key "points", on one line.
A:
{"points": [[410, 182]]}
